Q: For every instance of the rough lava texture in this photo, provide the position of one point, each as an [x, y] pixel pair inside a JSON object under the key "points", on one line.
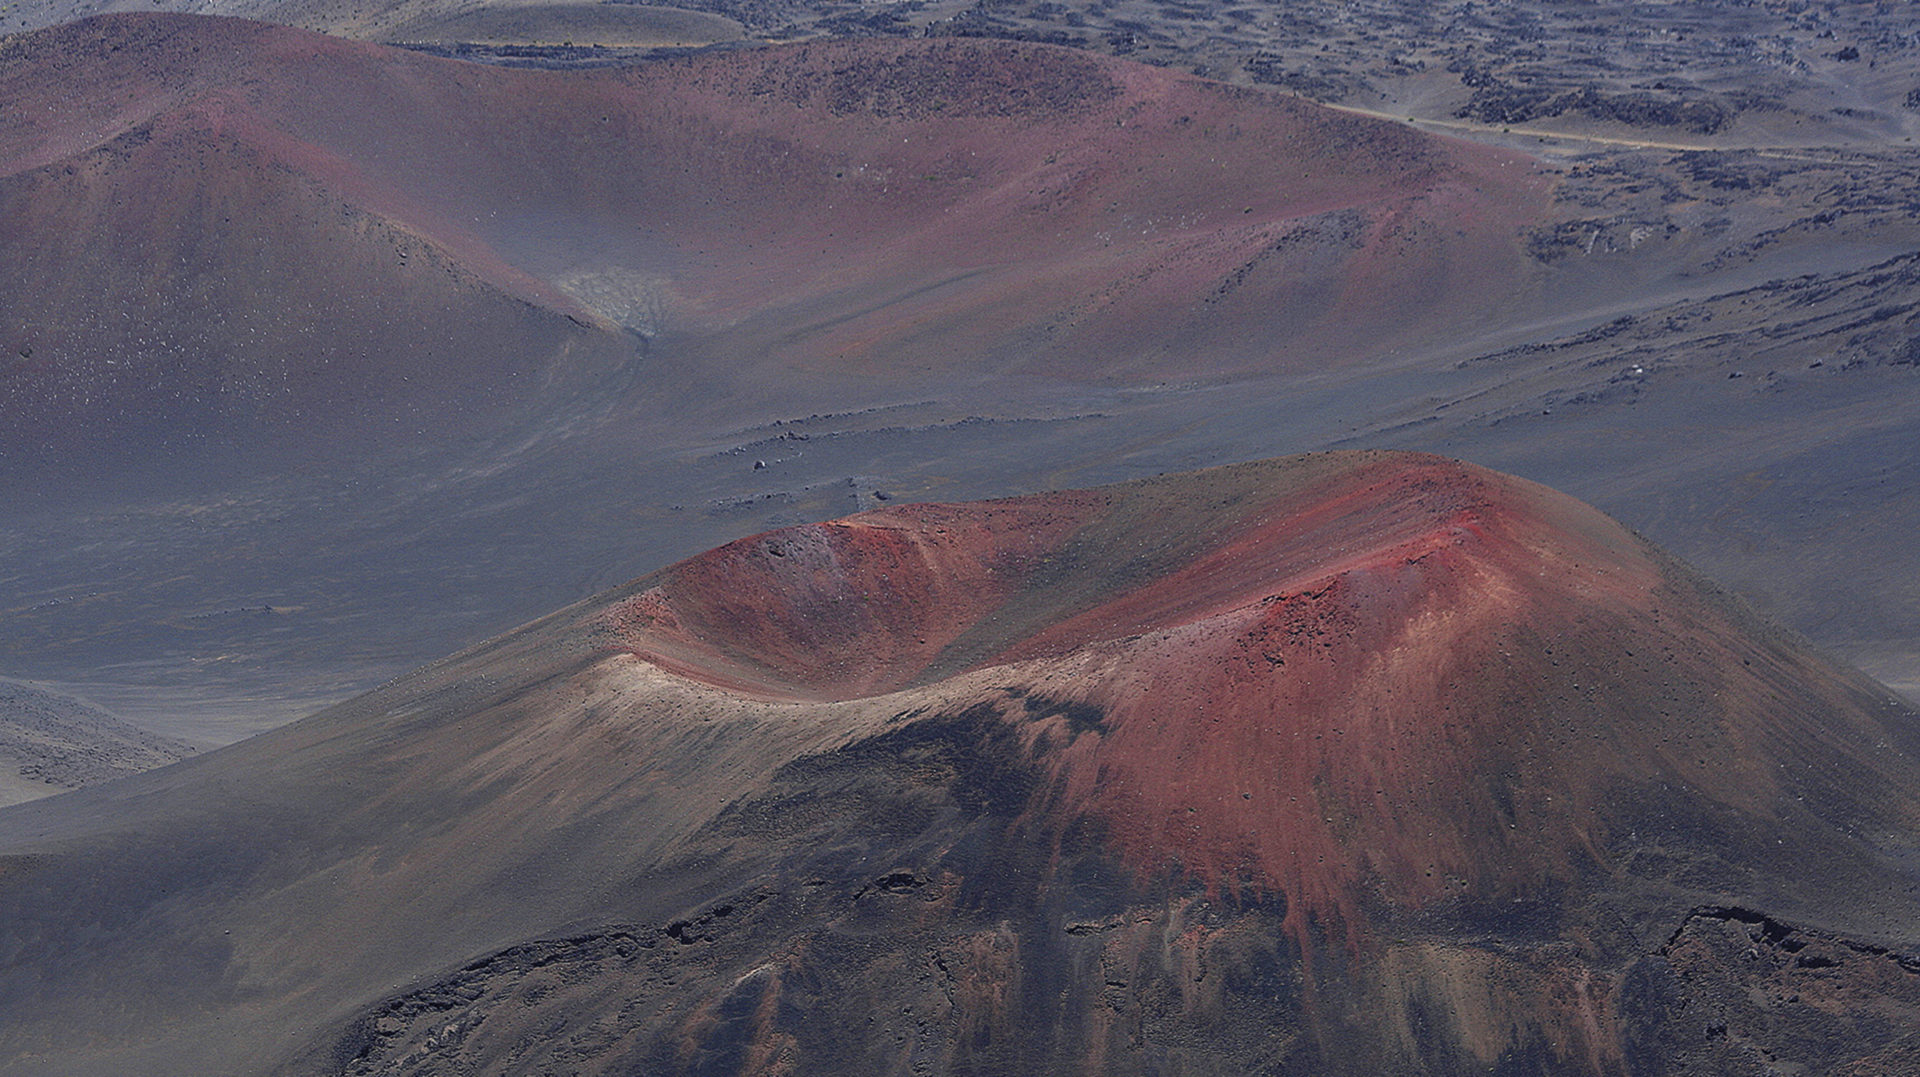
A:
{"points": [[1337, 764], [252, 234]]}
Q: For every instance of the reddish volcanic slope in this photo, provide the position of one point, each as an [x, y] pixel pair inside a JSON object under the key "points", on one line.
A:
{"points": [[240, 220], [1347, 763], [1405, 640]]}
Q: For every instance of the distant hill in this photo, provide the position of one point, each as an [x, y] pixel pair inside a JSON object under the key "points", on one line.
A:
{"points": [[201, 264], [1714, 73]]}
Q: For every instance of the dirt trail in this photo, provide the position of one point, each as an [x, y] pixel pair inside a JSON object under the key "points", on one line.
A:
{"points": [[1777, 153]]}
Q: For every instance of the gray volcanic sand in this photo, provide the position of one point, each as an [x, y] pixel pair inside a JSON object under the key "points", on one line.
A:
{"points": [[50, 743], [1715, 347]]}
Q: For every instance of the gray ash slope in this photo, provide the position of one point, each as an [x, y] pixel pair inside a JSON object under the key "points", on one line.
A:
{"points": [[54, 742], [1664, 273]]}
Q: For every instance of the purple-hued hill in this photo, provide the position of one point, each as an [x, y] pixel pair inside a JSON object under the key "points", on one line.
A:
{"points": [[258, 238]]}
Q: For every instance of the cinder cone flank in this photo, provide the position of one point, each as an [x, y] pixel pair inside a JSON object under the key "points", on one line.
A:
{"points": [[1347, 763], [259, 235]]}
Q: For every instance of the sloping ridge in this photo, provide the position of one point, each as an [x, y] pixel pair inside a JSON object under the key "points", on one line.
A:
{"points": [[1056, 573], [51, 742], [186, 276], [1346, 763], [1412, 639], [194, 242]]}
